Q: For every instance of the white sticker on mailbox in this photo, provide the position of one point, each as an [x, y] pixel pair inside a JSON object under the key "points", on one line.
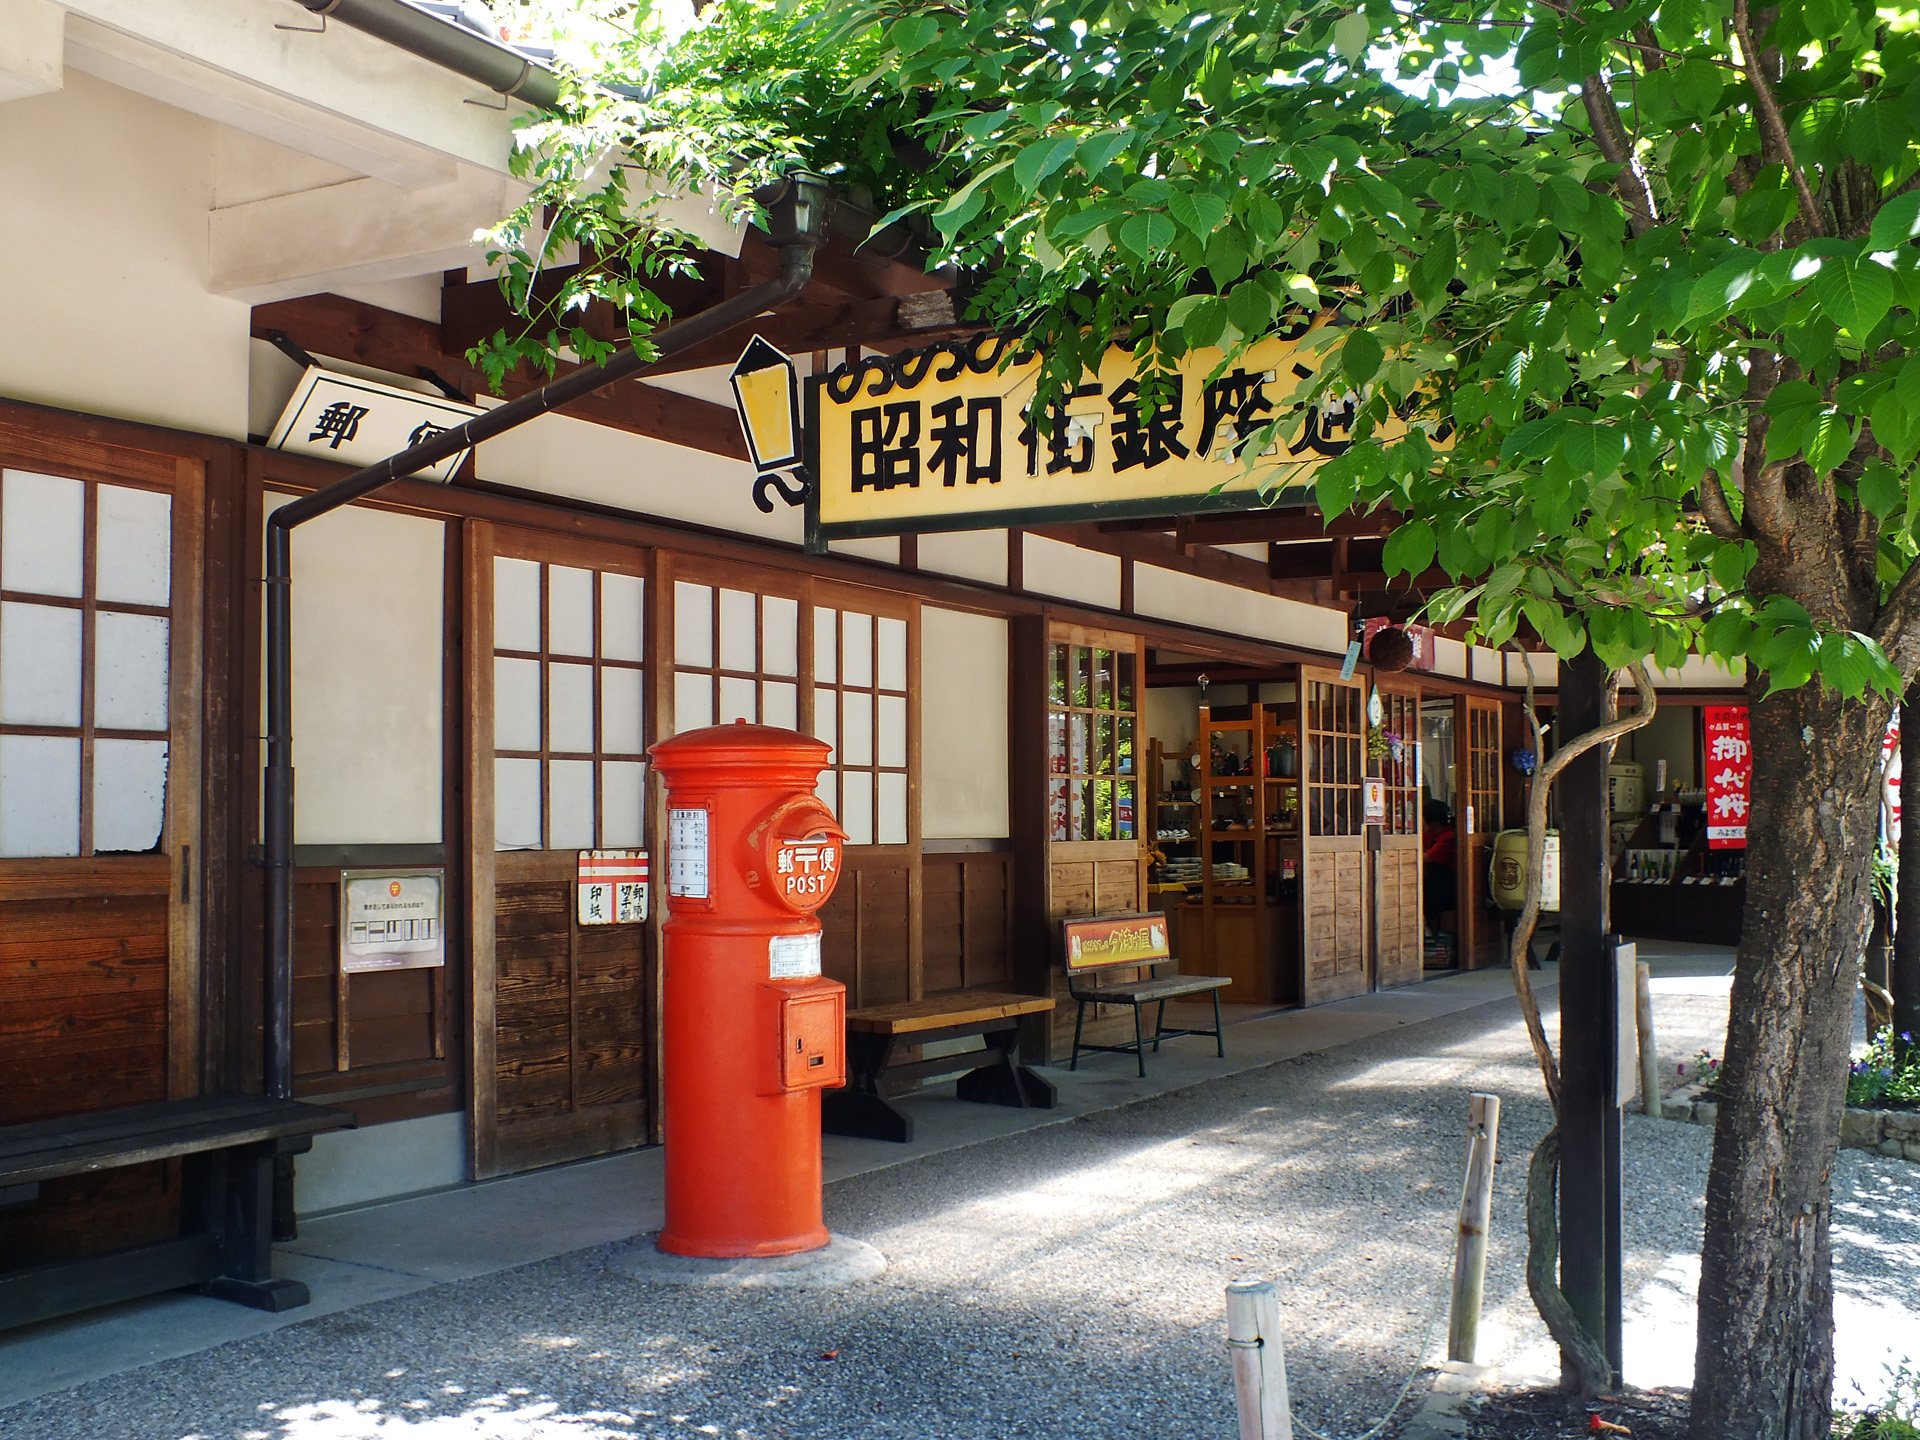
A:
{"points": [[687, 853], [793, 957]]}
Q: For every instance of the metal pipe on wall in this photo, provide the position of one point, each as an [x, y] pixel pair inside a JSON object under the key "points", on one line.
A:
{"points": [[797, 224], [499, 67]]}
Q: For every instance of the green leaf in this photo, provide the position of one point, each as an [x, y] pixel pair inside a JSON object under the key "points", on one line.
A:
{"points": [[1855, 294], [1201, 318], [1042, 158], [1250, 308], [1083, 222], [913, 33], [1880, 489], [1097, 151], [1410, 548], [1846, 663], [1197, 210], [1335, 485], [1827, 440], [1350, 35], [1897, 222], [1148, 235], [1595, 450], [1360, 357], [1697, 85]]}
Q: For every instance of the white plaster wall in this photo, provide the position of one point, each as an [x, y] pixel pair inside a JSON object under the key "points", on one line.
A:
{"points": [[1488, 665], [963, 725], [1048, 567], [368, 589], [1172, 715], [1699, 672], [557, 455], [1449, 657], [884, 548], [1228, 609], [1546, 670], [103, 246], [967, 554]]}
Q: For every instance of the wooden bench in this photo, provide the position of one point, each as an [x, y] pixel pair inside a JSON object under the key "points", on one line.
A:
{"points": [[227, 1144], [1113, 942], [873, 1034]]}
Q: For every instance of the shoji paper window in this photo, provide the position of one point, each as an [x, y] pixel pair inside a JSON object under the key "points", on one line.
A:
{"points": [[736, 656], [85, 624], [860, 708]]}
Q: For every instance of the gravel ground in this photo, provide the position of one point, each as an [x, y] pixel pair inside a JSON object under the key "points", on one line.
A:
{"points": [[1062, 1282]]}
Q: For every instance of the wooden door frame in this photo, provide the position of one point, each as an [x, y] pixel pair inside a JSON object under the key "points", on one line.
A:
{"points": [[1407, 689], [1341, 844], [1470, 885]]}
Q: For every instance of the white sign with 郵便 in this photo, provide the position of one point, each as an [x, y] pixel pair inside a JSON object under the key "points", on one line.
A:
{"points": [[361, 422]]}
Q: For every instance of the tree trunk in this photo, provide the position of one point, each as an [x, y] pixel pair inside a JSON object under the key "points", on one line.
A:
{"points": [[1764, 1365], [1904, 976]]}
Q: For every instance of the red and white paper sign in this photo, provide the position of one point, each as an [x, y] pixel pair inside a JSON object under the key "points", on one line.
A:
{"points": [[613, 887], [1729, 757], [1890, 778]]}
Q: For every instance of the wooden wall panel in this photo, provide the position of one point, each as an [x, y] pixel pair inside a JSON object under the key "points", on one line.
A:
{"points": [[964, 920], [1336, 925], [1398, 920], [866, 927]]}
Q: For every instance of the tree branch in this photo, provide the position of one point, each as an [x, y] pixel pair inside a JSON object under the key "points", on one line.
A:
{"points": [[1896, 629], [1611, 135], [1772, 122], [1717, 512]]}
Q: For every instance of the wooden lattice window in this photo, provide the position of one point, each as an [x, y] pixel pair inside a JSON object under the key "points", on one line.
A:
{"points": [[860, 675], [1401, 719], [736, 656], [1336, 759], [1483, 769], [569, 718], [86, 615], [1092, 744]]}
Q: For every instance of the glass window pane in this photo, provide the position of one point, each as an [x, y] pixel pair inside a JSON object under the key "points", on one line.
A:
{"points": [[130, 672], [133, 560], [1077, 810], [891, 826], [623, 804], [1103, 809], [42, 523], [623, 617], [1057, 809], [1103, 679], [893, 730], [1123, 810], [738, 650], [570, 708], [129, 794], [856, 809], [39, 794], [779, 635], [826, 715], [826, 632], [856, 648], [856, 716], [780, 704], [692, 624], [692, 702], [516, 804], [569, 610], [1078, 677], [1123, 744], [829, 790], [516, 704], [1057, 743], [622, 731], [893, 654], [1077, 756], [516, 604], [1103, 744], [1057, 674], [570, 791], [39, 665], [1123, 666], [737, 699]]}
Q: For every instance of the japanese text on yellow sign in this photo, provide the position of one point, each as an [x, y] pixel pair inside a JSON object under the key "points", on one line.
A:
{"points": [[944, 439]]}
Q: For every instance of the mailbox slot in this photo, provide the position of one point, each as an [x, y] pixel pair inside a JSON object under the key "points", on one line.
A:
{"points": [[812, 1033]]}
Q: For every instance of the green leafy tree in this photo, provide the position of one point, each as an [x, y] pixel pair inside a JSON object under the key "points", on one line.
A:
{"points": [[1645, 276]]}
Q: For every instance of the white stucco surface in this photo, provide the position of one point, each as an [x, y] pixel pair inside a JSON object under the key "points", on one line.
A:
{"points": [[1048, 567], [963, 725]]}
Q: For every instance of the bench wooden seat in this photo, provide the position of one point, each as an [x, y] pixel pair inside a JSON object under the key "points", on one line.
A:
{"points": [[1101, 943], [227, 1145], [875, 1032]]}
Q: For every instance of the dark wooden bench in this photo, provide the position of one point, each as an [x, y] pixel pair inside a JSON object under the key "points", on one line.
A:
{"points": [[875, 1033], [227, 1145], [1102, 943]]}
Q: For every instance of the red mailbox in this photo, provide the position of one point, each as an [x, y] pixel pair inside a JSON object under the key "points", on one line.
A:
{"points": [[753, 1033]]}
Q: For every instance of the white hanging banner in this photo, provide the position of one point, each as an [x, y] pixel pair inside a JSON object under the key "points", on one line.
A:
{"points": [[361, 422]]}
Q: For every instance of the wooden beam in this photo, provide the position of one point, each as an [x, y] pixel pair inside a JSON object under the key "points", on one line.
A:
{"points": [[1252, 527], [403, 345]]}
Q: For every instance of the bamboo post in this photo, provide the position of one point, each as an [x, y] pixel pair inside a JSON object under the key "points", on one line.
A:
{"points": [[1259, 1361], [1476, 1210], [1649, 1050]]}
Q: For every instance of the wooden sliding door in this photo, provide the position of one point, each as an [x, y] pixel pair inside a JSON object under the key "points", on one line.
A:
{"points": [[564, 1014], [1477, 727], [1335, 897], [1399, 932]]}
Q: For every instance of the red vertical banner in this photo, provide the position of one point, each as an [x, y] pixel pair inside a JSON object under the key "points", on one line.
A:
{"points": [[1729, 755]]}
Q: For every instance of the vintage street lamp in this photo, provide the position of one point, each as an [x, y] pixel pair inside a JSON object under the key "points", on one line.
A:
{"points": [[766, 393]]}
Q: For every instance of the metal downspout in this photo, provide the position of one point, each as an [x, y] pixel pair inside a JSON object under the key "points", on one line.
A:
{"points": [[499, 67], [797, 222]]}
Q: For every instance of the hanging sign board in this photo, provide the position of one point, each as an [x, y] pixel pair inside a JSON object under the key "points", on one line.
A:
{"points": [[360, 422], [1373, 801], [942, 439], [1421, 636], [613, 887], [391, 920], [1729, 752]]}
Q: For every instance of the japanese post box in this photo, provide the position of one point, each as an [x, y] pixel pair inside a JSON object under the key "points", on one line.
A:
{"points": [[753, 1031]]}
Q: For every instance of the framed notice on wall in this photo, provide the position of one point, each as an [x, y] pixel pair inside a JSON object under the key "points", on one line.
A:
{"points": [[392, 920]]}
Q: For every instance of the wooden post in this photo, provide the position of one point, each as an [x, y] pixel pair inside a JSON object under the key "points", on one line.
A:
{"points": [[1649, 1050], [1476, 1209], [1259, 1361]]}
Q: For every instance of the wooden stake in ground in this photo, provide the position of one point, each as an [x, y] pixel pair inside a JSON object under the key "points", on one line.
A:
{"points": [[1259, 1361], [1649, 1048], [1476, 1211]]}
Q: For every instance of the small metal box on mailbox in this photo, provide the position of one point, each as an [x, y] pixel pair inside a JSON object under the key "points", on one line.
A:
{"points": [[813, 1028]]}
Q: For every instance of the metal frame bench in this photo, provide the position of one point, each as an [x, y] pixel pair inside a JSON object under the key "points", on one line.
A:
{"points": [[227, 1145], [875, 1032], [1132, 941]]}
